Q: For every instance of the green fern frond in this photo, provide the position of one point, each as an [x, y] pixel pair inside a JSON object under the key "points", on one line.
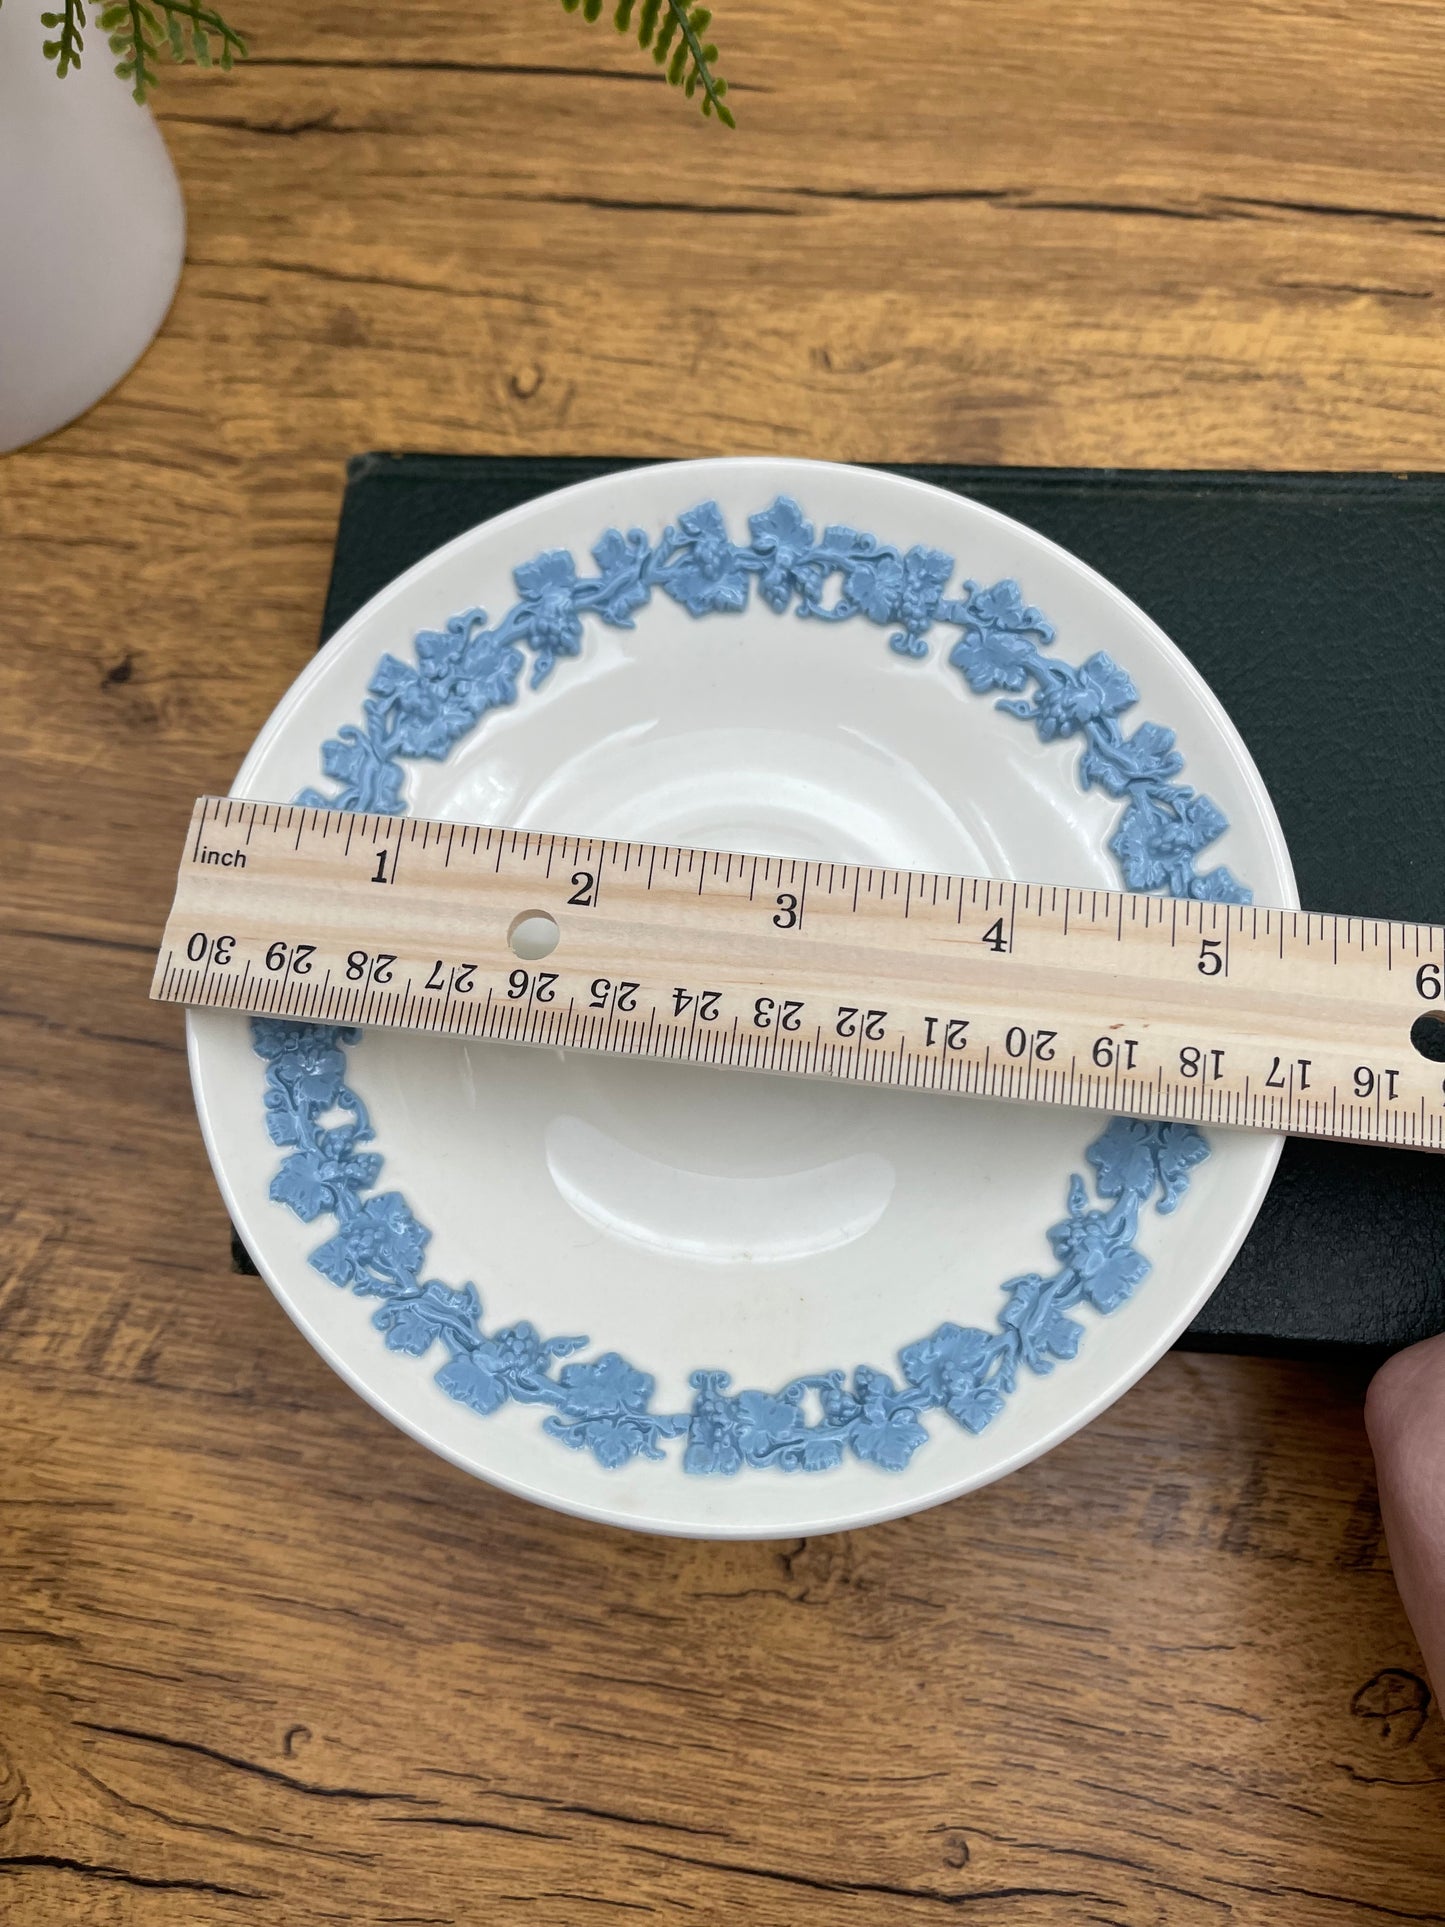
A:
{"points": [[141, 32], [661, 23], [65, 49], [135, 35], [206, 26]]}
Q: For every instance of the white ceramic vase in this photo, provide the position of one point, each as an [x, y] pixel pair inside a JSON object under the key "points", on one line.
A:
{"points": [[92, 229]]}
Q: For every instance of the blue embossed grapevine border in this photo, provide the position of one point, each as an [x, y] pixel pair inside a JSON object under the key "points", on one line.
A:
{"points": [[603, 1405]]}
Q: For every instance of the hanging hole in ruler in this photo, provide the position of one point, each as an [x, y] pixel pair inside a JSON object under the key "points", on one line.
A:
{"points": [[1427, 1034], [534, 934]]}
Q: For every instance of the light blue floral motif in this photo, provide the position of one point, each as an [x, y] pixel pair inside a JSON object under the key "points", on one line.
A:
{"points": [[905, 590], [706, 573], [1135, 1156], [604, 1405], [422, 709], [1069, 699], [1001, 640]]}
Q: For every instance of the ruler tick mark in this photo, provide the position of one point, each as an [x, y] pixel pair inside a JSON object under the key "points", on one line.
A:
{"points": [[1402, 1106]]}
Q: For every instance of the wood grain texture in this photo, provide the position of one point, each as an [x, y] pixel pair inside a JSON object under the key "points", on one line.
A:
{"points": [[261, 1658]]}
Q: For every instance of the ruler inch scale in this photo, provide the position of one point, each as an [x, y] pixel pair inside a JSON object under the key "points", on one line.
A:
{"points": [[1153, 1007]]}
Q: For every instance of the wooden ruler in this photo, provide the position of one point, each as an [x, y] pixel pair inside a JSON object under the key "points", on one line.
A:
{"points": [[1277, 1020]]}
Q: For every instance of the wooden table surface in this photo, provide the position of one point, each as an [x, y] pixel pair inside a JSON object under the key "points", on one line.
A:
{"points": [[262, 1659]]}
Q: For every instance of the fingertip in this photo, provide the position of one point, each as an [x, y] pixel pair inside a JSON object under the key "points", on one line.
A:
{"points": [[1406, 1396]]}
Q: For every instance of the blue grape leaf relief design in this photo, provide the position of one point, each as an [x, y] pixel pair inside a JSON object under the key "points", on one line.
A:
{"points": [[605, 1405]]}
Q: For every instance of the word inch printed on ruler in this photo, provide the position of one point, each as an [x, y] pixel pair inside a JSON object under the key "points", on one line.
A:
{"points": [[1279, 1020]]}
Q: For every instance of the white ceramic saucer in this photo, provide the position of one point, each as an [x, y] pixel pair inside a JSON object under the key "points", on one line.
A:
{"points": [[873, 1272]]}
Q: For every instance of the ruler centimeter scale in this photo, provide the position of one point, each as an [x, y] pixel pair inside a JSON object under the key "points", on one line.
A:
{"points": [[1158, 1007]]}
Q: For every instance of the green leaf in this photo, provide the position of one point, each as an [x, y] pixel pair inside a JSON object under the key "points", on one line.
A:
{"points": [[189, 30], [134, 36], [65, 48], [673, 30]]}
